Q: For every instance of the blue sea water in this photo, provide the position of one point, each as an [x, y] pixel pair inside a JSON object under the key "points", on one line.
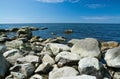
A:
{"points": [[105, 32]]}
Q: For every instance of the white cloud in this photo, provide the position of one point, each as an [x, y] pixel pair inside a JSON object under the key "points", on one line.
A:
{"points": [[100, 17], [57, 1], [94, 6]]}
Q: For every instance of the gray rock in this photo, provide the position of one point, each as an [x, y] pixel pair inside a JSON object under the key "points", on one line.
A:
{"points": [[28, 59], [36, 76], [18, 75], [44, 68], [88, 47], [26, 69], [62, 72], [116, 75], [13, 29], [2, 49], [12, 55], [112, 57], [55, 48], [3, 39], [74, 41], [109, 45], [48, 59], [67, 58], [79, 77], [4, 66], [14, 44], [90, 66], [24, 33]]}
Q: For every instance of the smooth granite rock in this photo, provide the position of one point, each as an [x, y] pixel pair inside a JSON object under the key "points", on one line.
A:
{"points": [[112, 57], [62, 72], [67, 58], [12, 55], [48, 59], [13, 44], [88, 47], [90, 66], [55, 48]]}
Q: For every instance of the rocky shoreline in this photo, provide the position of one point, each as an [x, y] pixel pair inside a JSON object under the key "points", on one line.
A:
{"points": [[31, 57]]}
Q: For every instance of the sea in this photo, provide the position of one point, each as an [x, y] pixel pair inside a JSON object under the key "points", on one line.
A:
{"points": [[103, 32]]}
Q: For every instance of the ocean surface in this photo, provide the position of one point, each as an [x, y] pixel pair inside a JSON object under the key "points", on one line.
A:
{"points": [[105, 32]]}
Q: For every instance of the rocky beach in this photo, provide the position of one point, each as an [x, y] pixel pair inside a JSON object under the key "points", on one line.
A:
{"points": [[25, 56]]}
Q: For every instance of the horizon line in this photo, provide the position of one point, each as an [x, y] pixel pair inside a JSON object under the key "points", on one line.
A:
{"points": [[59, 23]]}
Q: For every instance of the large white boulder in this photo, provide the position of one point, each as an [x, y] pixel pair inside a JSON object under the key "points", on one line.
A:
{"points": [[12, 55], [112, 57], [67, 58], [62, 72], [88, 47], [14, 44], [90, 66]]}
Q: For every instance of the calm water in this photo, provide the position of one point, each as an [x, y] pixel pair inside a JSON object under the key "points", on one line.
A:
{"points": [[99, 31]]}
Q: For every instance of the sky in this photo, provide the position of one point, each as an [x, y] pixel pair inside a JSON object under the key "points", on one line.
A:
{"points": [[59, 11]]}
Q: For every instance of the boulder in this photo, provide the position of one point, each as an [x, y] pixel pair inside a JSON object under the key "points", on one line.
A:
{"points": [[36, 76], [88, 47], [24, 33], [13, 29], [2, 30], [79, 77], [4, 66], [12, 55], [33, 28], [68, 31], [13, 44], [55, 48], [116, 75], [112, 57], [90, 66], [44, 68], [18, 75], [67, 58], [28, 59], [24, 70], [3, 39], [62, 72], [43, 28], [109, 45], [48, 59], [34, 39]]}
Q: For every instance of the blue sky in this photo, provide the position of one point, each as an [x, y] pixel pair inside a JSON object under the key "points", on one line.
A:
{"points": [[59, 11]]}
